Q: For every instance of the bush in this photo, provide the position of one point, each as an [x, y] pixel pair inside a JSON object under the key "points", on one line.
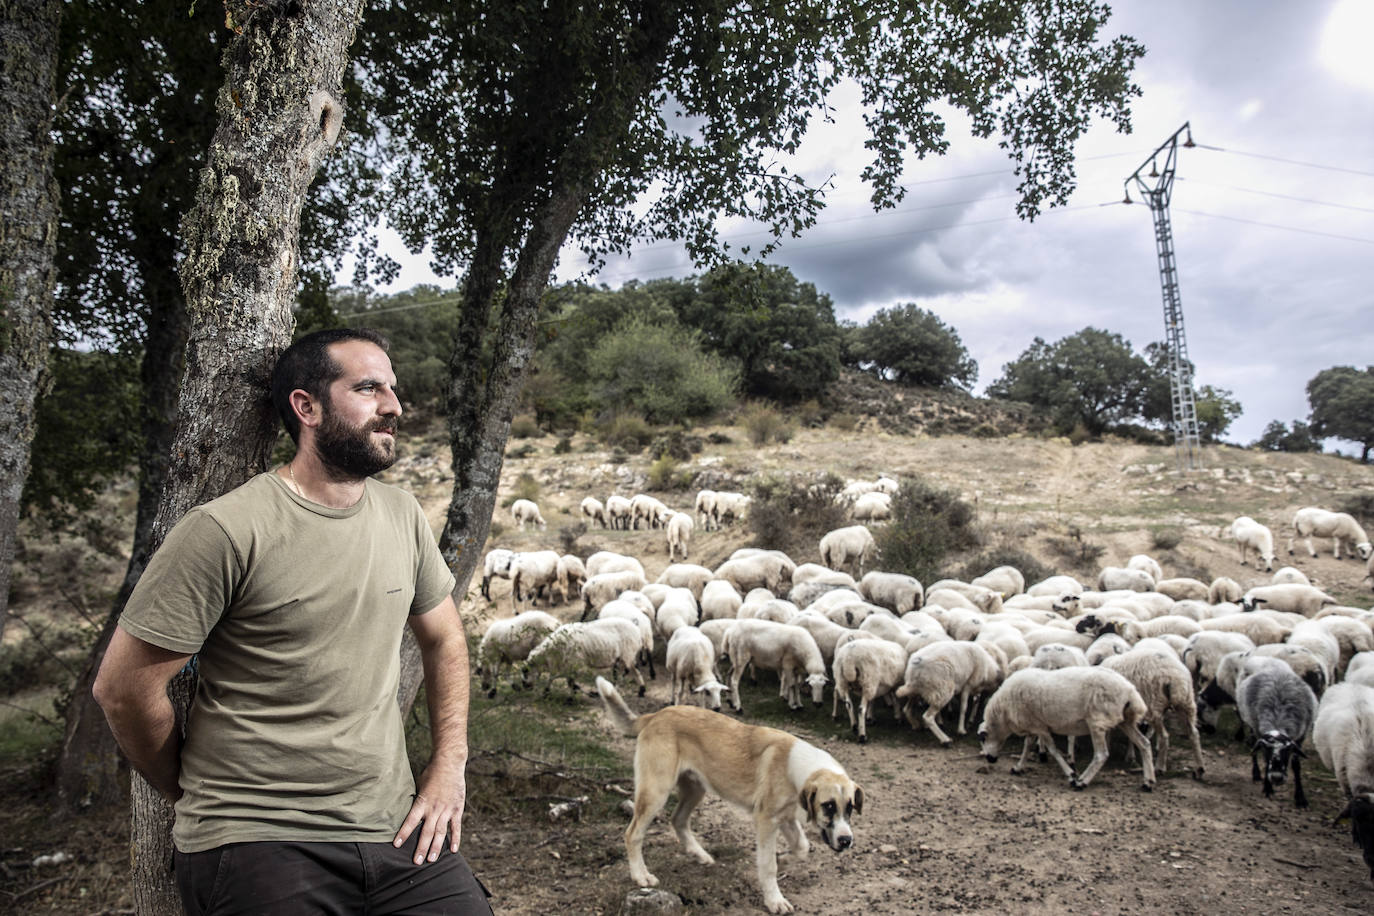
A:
{"points": [[524, 427], [810, 414], [627, 431], [664, 474], [1029, 566], [660, 369], [522, 451], [563, 446], [1360, 505], [1079, 434], [1078, 553], [792, 514], [844, 422], [928, 524], [568, 535], [677, 444], [765, 424], [1165, 538], [526, 487]]}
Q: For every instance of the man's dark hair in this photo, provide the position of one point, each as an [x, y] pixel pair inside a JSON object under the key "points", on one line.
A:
{"points": [[307, 365]]}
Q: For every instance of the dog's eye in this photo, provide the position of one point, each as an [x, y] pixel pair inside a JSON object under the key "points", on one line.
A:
{"points": [[829, 808]]}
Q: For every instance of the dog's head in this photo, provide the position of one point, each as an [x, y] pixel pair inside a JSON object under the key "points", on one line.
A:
{"points": [[830, 799]]}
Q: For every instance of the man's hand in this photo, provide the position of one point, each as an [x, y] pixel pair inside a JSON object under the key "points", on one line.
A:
{"points": [[439, 800]]}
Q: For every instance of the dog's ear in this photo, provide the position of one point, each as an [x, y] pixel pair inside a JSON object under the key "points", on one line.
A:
{"points": [[808, 803], [858, 800]]}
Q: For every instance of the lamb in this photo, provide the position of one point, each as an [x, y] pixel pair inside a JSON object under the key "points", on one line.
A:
{"points": [[789, 650], [1183, 589], [509, 641], [1251, 535], [1279, 709], [524, 510], [606, 561], [1341, 527], [679, 609], [1224, 589], [872, 507], [1298, 599], [728, 507], [531, 572], [679, 530], [651, 511], [842, 546], [597, 645], [690, 662], [939, 672], [619, 512], [1005, 580], [603, 587], [1070, 701], [1344, 736], [571, 575], [873, 668], [1166, 687], [704, 507], [893, 591], [1112, 578], [496, 564], [1146, 563], [594, 512], [719, 600], [769, 569]]}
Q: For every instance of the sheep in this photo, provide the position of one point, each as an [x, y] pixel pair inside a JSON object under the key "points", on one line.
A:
{"points": [[1005, 637], [1352, 635], [598, 645], [1070, 701], [885, 484], [704, 507], [856, 489], [1290, 576], [1261, 630], [1146, 563], [769, 569], [814, 572], [896, 592], [594, 512], [1062, 604], [496, 564], [524, 510], [531, 572], [715, 631], [686, 575], [606, 561], [949, 599], [1298, 599], [618, 512], [1166, 686], [627, 609], [1055, 586], [1112, 578], [1205, 650], [1183, 589], [690, 663], [571, 574], [939, 672], [872, 507], [1341, 527], [651, 511], [1279, 710], [1305, 663], [1104, 647], [728, 507], [1044, 636], [1224, 589], [825, 631], [774, 609], [509, 641], [873, 668], [679, 609], [679, 531], [1053, 656], [789, 650], [1251, 535], [1319, 639], [603, 587], [807, 593], [719, 600], [842, 546], [1005, 580], [1344, 737]]}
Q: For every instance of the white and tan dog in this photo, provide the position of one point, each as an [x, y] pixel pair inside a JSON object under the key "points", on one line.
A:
{"points": [[774, 776]]}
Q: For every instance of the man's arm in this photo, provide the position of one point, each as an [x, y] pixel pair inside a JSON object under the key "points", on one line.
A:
{"points": [[131, 687], [441, 791]]}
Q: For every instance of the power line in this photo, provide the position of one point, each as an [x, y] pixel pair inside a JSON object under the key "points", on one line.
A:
{"points": [[1304, 200], [1252, 222], [1310, 165]]}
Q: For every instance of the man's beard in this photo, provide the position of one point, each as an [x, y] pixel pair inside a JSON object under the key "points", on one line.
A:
{"points": [[349, 452]]}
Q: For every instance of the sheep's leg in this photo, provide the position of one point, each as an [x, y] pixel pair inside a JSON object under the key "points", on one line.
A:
{"points": [[963, 711], [1310, 549], [934, 726], [1162, 757], [639, 677], [1299, 796], [863, 717], [1196, 741], [1047, 740], [736, 674], [1099, 758], [1147, 761], [910, 714], [690, 792], [1025, 752]]}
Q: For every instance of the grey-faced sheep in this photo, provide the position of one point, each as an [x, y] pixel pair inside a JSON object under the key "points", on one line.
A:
{"points": [[845, 546], [690, 662], [1297, 599], [594, 512], [496, 564], [679, 531], [896, 592], [509, 641], [1251, 535], [1279, 710], [1341, 527], [1070, 701], [524, 510], [1166, 687], [872, 668], [619, 512], [1344, 737], [941, 671], [789, 650]]}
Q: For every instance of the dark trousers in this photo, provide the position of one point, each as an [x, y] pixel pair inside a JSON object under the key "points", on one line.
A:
{"points": [[338, 879]]}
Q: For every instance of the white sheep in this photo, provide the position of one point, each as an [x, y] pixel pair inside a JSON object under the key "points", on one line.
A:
{"points": [[1113, 578], [525, 510], [855, 489], [872, 507], [627, 609], [1354, 637], [596, 645], [886, 484], [690, 662], [767, 569], [789, 650], [679, 532], [1055, 586], [871, 667], [1306, 663], [685, 575], [1319, 639], [678, 609], [1005, 580], [594, 512], [532, 572], [1341, 527], [894, 591], [606, 561], [941, 671], [1344, 737], [728, 507], [704, 507], [825, 631], [1146, 563], [1205, 650], [777, 610], [603, 587], [843, 546], [1071, 702], [720, 600], [1104, 647], [1288, 576], [1183, 588], [1166, 687], [496, 564], [824, 575], [1062, 604], [1261, 630], [508, 641], [571, 575], [1297, 599], [618, 511], [1224, 589], [851, 613], [715, 631], [648, 509], [1251, 535]]}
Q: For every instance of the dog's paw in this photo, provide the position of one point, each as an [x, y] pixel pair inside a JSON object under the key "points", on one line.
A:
{"points": [[645, 880]]}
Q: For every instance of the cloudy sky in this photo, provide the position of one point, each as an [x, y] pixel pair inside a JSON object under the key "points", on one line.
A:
{"points": [[1273, 212]]}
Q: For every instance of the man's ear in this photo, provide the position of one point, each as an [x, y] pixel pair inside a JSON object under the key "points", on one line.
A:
{"points": [[306, 408]]}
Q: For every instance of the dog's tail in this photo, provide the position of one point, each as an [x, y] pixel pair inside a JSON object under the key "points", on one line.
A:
{"points": [[621, 714]]}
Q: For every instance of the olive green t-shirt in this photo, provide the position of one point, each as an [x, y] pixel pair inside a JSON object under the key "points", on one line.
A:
{"points": [[297, 612]]}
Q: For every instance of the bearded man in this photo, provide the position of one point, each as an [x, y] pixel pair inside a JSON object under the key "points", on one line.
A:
{"points": [[292, 788]]}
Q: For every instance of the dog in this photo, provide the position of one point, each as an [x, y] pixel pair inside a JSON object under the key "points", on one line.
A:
{"points": [[774, 776]]}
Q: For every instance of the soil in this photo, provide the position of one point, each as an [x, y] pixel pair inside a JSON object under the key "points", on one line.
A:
{"points": [[941, 829]]}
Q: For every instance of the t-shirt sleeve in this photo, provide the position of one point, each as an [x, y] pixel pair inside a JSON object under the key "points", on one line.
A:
{"points": [[186, 588], [433, 580]]}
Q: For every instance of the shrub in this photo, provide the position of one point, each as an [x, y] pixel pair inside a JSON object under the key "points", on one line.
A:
{"points": [[928, 524], [627, 431], [568, 535], [1029, 566], [1360, 505], [985, 431], [526, 487], [844, 422], [792, 514], [522, 451], [524, 427], [810, 414], [1166, 538], [1078, 553], [563, 446], [663, 473], [660, 369], [677, 444], [1079, 434], [719, 439], [765, 424]]}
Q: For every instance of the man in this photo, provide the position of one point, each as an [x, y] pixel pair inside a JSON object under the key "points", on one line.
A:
{"points": [[292, 790]]}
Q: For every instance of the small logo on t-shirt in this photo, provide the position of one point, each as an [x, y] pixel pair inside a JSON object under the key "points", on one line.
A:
{"points": [[392, 591]]}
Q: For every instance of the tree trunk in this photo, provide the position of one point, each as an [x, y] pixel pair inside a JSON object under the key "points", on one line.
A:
{"points": [[280, 111], [28, 244]]}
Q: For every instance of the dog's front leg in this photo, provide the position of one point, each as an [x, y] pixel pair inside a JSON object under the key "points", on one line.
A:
{"points": [[796, 838], [768, 864]]}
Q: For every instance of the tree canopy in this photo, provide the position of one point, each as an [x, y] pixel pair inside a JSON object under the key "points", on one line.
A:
{"points": [[1342, 400], [912, 346]]}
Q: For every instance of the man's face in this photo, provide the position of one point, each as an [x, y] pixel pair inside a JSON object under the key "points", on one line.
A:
{"points": [[357, 433]]}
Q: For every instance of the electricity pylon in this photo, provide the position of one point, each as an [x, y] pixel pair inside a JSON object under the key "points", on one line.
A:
{"points": [[1187, 441]]}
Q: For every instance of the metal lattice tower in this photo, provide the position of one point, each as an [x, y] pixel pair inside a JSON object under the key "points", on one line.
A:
{"points": [[1187, 441]]}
